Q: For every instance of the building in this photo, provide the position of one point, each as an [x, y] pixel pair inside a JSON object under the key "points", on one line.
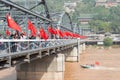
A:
{"points": [[84, 23], [70, 6], [100, 2], [85, 18], [107, 3]]}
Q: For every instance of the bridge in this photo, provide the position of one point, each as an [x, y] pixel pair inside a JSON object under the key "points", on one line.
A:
{"points": [[37, 59], [40, 56], [13, 52]]}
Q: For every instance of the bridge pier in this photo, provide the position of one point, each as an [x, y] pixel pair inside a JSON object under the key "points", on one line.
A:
{"points": [[47, 68], [83, 46], [80, 48], [71, 55]]}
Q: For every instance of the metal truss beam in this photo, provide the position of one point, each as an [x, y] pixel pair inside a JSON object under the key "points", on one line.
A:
{"points": [[43, 2], [46, 9], [12, 4], [61, 20], [36, 5]]}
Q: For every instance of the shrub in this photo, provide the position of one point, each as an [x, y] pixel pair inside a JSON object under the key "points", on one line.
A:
{"points": [[108, 42]]}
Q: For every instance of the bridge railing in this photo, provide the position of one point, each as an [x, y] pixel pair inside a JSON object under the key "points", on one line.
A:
{"points": [[14, 46]]}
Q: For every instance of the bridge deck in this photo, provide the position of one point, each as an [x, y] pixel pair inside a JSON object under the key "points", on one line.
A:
{"points": [[13, 50]]}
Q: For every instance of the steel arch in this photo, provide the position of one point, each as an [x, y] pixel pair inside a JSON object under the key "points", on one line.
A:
{"points": [[62, 21]]}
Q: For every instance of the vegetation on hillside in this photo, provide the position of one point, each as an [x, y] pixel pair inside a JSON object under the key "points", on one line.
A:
{"points": [[105, 20]]}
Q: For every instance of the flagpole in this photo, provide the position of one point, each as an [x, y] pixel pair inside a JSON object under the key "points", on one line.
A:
{"points": [[78, 52], [10, 13], [4, 28], [26, 25], [36, 24]]}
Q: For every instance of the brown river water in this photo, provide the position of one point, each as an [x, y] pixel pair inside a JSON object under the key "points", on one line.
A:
{"points": [[109, 68]]}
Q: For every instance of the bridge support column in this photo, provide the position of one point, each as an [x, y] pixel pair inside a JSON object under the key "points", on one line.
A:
{"points": [[80, 48], [72, 54], [48, 68], [83, 47]]}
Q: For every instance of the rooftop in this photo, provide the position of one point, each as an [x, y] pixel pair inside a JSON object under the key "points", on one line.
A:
{"points": [[101, 0], [86, 16]]}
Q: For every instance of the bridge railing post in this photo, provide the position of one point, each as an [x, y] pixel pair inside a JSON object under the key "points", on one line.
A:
{"points": [[78, 50], [9, 51]]}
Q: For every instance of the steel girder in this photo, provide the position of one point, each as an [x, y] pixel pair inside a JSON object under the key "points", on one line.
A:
{"points": [[10, 3], [62, 21]]}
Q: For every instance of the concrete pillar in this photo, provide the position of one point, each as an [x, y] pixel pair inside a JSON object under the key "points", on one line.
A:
{"points": [[48, 68], [72, 54], [80, 49], [83, 46]]}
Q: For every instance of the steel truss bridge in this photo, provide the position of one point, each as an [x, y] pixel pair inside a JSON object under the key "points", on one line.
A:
{"points": [[21, 13], [13, 52]]}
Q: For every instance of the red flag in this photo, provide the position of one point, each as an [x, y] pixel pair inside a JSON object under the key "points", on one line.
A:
{"points": [[79, 36], [7, 32], [43, 34], [67, 33], [60, 33], [51, 30], [32, 28], [82, 37], [12, 24], [76, 35]]}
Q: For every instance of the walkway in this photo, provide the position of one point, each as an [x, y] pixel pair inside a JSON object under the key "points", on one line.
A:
{"points": [[109, 60]]}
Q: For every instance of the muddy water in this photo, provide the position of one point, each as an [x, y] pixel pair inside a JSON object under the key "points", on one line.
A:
{"points": [[109, 68], [8, 74], [109, 61]]}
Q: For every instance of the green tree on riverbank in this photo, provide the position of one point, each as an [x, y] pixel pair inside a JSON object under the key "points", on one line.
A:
{"points": [[108, 42]]}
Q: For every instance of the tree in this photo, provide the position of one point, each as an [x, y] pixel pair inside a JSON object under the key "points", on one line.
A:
{"points": [[108, 42], [99, 26], [90, 2], [102, 13]]}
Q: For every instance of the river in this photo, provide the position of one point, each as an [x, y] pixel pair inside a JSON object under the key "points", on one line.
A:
{"points": [[108, 69]]}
